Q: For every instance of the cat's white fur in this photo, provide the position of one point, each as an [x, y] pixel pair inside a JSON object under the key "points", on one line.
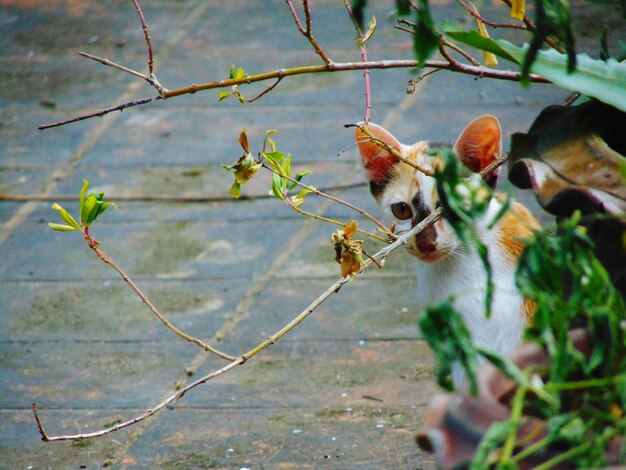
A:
{"points": [[456, 271]]}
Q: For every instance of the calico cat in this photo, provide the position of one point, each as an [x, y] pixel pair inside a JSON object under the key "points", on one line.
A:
{"points": [[449, 268]]}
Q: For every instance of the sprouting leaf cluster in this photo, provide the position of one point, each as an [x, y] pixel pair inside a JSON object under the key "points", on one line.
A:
{"points": [[91, 206], [276, 161], [244, 168], [282, 181], [235, 74]]}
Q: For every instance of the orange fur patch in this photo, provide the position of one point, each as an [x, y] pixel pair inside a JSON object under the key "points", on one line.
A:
{"points": [[528, 310], [514, 228]]}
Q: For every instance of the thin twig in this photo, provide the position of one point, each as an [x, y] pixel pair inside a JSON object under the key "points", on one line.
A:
{"points": [[366, 72], [264, 92], [530, 26], [102, 112], [146, 32], [308, 32], [456, 48], [455, 64], [349, 66], [381, 143], [475, 14], [115, 65], [414, 81], [381, 256], [94, 245], [151, 412], [321, 218]]}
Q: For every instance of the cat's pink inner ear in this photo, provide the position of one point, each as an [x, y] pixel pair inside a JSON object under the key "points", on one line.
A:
{"points": [[480, 143], [377, 160]]}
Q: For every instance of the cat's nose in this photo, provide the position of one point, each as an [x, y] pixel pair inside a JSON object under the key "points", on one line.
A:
{"points": [[427, 246], [426, 241]]}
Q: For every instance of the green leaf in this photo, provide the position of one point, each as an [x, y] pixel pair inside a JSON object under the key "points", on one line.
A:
{"points": [[426, 39], [474, 39], [83, 193], [445, 331], [60, 227], [66, 216], [370, 31], [232, 71], [223, 95], [604, 80], [94, 206], [235, 189], [505, 365]]}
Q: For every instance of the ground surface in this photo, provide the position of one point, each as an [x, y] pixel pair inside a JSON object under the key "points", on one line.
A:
{"points": [[348, 388]]}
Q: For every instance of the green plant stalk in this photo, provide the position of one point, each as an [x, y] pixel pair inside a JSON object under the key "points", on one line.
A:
{"points": [[559, 387], [599, 441], [516, 420], [531, 449]]}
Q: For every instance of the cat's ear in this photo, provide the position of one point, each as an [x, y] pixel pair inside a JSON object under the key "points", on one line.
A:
{"points": [[479, 145], [377, 160]]}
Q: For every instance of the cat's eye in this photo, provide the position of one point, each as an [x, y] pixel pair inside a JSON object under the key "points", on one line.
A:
{"points": [[401, 210]]}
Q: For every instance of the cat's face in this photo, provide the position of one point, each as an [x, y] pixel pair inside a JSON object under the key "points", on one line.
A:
{"points": [[409, 195]]}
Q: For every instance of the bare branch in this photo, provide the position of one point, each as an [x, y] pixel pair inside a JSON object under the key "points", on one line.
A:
{"points": [[454, 47], [146, 33], [475, 14], [366, 72], [115, 65], [260, 95], [102, 112], [151, 412], [479, 71], [414, 81]]}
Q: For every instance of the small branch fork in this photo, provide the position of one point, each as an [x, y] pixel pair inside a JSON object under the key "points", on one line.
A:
{"points": [[94, 245], [378, 259], [308, 32]]}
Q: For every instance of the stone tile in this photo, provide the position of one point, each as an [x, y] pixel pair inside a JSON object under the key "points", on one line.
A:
{"points": [[370, 437], [110, 310], [161, 250], [81, 375], [21, 446]]}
